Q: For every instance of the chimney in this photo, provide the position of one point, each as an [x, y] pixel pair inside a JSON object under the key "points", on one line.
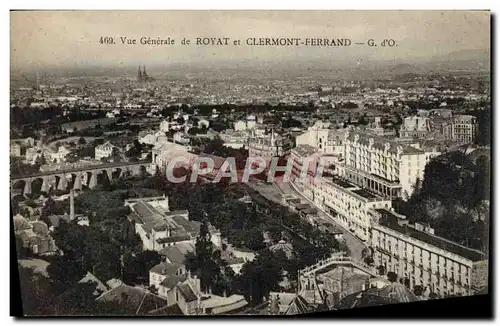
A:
{"points": [[72, 204]]}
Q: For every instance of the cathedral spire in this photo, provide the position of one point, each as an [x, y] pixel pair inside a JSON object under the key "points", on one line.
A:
{"points": [[139, 74]]}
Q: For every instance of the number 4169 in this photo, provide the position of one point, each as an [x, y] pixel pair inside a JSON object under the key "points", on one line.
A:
{"points": [[106, 40]]}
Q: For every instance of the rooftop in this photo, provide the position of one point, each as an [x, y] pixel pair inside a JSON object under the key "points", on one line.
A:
{"points": [[381, 142], [304, 150], [177, 253], [171, 281], [342, 183], [166, 268], [364, 193], [138, 300], [390, 220], [187, 292]]}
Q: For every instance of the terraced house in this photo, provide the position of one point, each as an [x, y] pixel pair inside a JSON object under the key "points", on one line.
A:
{"points": [[415, 253]]}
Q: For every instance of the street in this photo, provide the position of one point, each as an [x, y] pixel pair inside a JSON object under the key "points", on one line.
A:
{"points": [[274, 193], [354, 244]]}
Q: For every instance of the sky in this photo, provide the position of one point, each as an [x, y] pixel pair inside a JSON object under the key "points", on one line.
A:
{"points": [[67, 38]]}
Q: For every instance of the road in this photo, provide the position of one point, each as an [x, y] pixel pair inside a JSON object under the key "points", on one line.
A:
{"points": [[354, 244]]}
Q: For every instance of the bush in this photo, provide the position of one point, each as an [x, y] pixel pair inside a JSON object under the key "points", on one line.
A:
{"points": [[418, 290], [392, 277]]}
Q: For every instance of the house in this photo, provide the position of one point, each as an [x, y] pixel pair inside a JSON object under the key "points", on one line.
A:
{"points": [[104, 150], [59, 156], [236, 263], [164, 270], [33, 236], [15, 149], [187, 295], [240, 125], [159, 228], [181, 138]]}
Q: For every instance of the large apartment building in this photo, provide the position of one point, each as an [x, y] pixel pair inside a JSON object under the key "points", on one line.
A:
{"points": [[415, 127], [269, 145], [325, 140], [383, 166], [414, 253], [464, 128], [346, 202]]}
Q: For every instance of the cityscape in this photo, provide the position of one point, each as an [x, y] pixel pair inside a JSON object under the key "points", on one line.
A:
{"points": [[369, 182]]}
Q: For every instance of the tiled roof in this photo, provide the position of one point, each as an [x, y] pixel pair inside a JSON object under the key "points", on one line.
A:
{"points": [[304, 150], [146, 212], [177, 254], [138, 300], [298, 306], [166, 268], [187, 293], [171, 281], [192, 227]]}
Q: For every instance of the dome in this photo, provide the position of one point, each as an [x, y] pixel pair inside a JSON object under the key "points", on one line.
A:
{"points": [[398, 292], [362, 299], [285, 246]]}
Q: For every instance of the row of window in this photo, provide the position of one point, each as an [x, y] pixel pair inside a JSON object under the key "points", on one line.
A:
{"points": [[408, 250]]}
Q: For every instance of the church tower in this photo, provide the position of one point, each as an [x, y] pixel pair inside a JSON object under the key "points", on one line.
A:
{"points": [[139, 75]]}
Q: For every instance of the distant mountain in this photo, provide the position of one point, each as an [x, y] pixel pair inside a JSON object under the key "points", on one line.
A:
{"points": [[462, 60]]}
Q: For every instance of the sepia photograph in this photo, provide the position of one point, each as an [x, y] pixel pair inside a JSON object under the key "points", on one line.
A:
{"points": [[244, 163]]}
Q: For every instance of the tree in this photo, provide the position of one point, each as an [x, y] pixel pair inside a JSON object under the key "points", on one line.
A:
{"points": [[381, 269], [36, 292], [418, 290], [392, 277], [253, 239], [40, 160], [137, 266], [201, 262], [257, 278], [369, 261]]}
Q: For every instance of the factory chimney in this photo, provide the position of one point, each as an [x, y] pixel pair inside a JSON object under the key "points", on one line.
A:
{"points": [[72, 205]]}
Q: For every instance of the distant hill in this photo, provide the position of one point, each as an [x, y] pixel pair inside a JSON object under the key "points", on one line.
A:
{"points": [[462, 60]]}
